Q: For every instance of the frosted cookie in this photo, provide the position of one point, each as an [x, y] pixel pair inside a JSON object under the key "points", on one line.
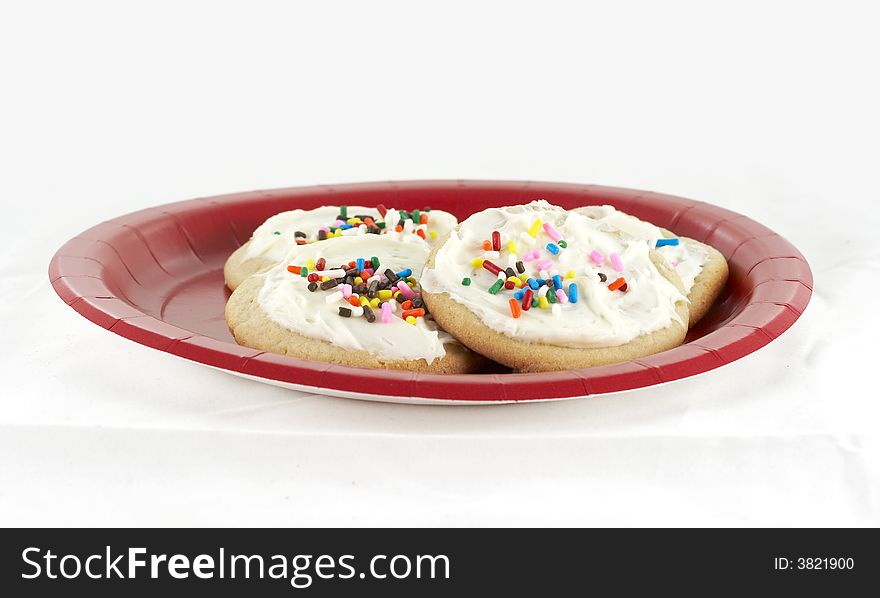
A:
{"points": [[354, 301], [538, 288], [274, 239], [702, 268]]}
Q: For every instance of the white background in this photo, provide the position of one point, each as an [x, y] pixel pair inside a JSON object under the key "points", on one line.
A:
{"points": [[767, 108]]}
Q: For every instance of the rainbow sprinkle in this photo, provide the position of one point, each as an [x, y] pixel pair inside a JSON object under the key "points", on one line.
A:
{"points": [[536, 280], [360, 287], [615, 262], [416, 222]]}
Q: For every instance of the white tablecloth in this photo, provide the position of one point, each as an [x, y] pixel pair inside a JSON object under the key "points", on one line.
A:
{"points": [[184, 102]]}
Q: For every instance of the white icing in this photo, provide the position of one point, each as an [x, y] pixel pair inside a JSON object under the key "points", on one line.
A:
{"points": [[286, 300], [600, 318], [687, 258], [265, 243]]}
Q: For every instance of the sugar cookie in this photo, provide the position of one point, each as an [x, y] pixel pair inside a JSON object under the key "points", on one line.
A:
{"points": [[360, 306], [539, 288]]}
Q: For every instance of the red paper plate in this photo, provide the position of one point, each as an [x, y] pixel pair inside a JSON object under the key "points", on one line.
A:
{"points": [[156, 277]]}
